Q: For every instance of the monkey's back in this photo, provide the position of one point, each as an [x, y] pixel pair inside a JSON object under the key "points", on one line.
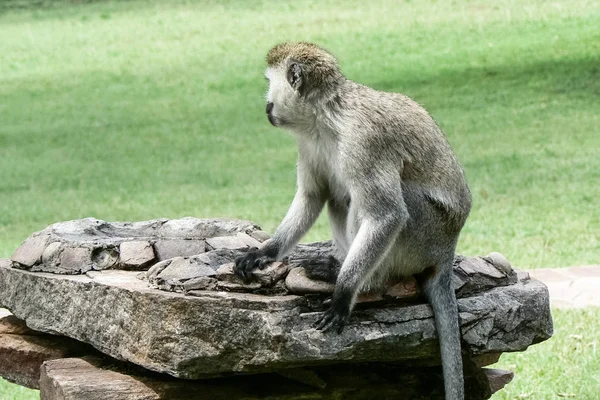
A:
{"points": [[395, 127]]}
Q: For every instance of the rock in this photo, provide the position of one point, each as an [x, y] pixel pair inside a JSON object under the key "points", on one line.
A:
{"points": [[195, 228], [30, 252], [105, 257], [9, 324], [499, 261], [173, 273], [209, 334], [77, 378], [169, 248], [225, 273], [237, 287], [498, 378], [239, 241], [201, 283], [476, 274], [22, 351], [94, 378], [136, 254], [261, 236], [51, 254], [75, 247], [298, 282]]}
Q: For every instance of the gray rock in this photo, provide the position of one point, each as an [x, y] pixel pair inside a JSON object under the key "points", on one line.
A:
{"points": [[75, 247], [476, 274], [210, 333], [261, 236], [239, 241], [498, 260], [200, 283], [30, 252], [105, 257], [169, 248], [136, 254], [62, 259], [204, 228], [298, 282]]}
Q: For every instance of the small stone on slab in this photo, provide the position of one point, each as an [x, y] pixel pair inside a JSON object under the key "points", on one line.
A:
{"points": [[30, 252], [169, 248], [298, 282], [239, 241], [136, 254]]}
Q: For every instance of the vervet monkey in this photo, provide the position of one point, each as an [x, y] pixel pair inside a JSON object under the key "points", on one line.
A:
{"points": [[396, 195]]}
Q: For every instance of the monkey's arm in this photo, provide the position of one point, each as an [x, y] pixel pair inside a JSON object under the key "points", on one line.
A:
{"points": [[303, 213], [380, 216]]}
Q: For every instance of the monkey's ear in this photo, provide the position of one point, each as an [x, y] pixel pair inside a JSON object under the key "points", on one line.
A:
{"points": [[294, 76]]}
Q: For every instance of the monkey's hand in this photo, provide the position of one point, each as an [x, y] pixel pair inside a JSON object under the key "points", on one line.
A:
{"points": [[254, 258], [336, 317]]}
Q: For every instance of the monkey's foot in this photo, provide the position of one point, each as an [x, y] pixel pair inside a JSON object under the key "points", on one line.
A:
{"points": [[322, 269], [253, 259], [334, 319]]}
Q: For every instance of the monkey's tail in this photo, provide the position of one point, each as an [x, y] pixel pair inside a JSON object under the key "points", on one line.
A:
{"points": [[438, 289]]}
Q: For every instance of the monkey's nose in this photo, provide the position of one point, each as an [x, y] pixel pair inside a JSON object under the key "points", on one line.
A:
{"points": [[269, 107]]}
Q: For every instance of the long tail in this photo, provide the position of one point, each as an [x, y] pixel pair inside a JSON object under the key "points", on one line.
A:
{"points": [[440, 294]]}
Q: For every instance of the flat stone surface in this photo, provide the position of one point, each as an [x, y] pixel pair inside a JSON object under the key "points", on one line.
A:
{"points": [[214, 333], [93, 378]]}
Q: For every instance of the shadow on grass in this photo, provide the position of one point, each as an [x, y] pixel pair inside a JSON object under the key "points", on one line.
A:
{"points": [[574, 78]]}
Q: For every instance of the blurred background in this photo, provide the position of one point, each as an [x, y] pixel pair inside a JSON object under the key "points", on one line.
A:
{"points": [[133, 110]]}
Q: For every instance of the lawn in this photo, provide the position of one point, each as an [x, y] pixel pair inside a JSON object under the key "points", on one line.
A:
{"points": [[135, 110]]}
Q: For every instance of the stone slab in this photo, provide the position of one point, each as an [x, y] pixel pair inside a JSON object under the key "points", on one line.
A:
{"points": [[22, 354], [93, 378], [216, 333]]}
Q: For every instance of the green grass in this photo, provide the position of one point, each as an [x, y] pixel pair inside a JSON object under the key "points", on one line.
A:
{"points": [[566, 366], [10, 391], [135, 110]]}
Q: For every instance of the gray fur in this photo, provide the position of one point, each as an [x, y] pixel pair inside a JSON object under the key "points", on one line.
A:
{"points": [[397, 196]]}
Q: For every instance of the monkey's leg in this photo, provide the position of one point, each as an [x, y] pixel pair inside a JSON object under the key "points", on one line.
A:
{"points": [[300, 217], [327, 270], [438, 289], [370, 246], [322, 269]]}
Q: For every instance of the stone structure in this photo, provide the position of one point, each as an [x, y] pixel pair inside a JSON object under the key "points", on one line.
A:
{"points": [[162, 295]]}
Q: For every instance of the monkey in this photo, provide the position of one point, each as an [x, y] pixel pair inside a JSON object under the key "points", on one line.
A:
{"points": [[396, 195]]}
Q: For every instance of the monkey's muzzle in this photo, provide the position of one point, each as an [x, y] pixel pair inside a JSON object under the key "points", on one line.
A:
{"points": [[270, 116]]}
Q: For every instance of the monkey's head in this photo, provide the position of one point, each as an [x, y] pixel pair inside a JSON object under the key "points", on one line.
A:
{"points": [[299, 74]]}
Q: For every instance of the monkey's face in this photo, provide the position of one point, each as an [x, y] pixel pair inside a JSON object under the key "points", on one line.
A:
{"points": [[285, 104]]}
